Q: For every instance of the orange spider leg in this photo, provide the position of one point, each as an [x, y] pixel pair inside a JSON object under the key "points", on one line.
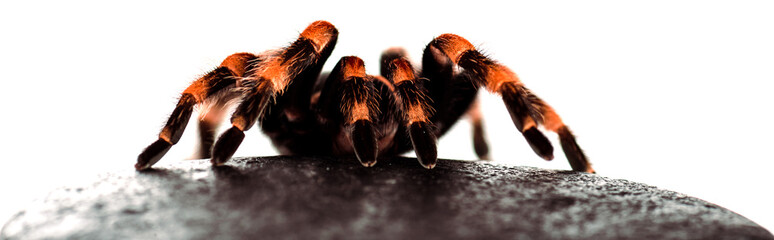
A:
{"points": [[269, 78], [526, 109], [414, 104], [348, 103], [214, 88]]}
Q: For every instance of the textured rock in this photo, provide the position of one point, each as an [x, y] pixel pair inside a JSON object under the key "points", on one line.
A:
{"points": [[313, 198]]}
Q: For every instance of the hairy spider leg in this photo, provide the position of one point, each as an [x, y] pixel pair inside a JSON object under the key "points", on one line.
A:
{"points": [[349, 103], [479, 138], [214, 88], [212, 112], [414, 104], [269, 78], [389, 106], [452, 95], [526, 109], [290, 122]]}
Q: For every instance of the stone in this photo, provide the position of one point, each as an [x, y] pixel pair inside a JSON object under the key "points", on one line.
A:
{"points": [[333, 198]]}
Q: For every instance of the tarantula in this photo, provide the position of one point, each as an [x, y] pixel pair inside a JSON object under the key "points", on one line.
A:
{"points": [[348, 112]]}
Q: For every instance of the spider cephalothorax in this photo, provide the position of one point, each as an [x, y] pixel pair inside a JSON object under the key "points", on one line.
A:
{"points": [[347, 112]]}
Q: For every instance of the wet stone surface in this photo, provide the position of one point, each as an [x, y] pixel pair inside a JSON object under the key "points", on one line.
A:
{"points": [[314, 198]]}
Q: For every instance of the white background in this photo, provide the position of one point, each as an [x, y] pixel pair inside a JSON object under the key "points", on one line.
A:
{"points": [[674, 94]]}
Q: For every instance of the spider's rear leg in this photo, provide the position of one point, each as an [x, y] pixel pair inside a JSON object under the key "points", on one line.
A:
{"points": [[479, 140], [209, 119], [349, 99], [526, 109], [216, 86], [270, 77]]}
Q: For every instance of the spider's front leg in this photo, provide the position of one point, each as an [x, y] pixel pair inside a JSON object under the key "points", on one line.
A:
{"points": [[349, 107], [526, 109], [414, 105], [270, 77], [214, 89]]}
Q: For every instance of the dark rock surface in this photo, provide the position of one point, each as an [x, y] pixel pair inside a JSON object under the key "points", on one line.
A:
{"points": [[313, 198]]}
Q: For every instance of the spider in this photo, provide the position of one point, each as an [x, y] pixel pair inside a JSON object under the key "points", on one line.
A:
{"points": [[347, 112]]}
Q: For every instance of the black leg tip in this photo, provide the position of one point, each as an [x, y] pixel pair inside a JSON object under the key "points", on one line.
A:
{"points": [[539, 143], [364, 142], [226, 145], [152, 154], [424, 142], [573, 152], [480, 145]]}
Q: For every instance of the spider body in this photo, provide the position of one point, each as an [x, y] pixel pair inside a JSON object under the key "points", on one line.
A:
{"points": [[348, 112]]}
